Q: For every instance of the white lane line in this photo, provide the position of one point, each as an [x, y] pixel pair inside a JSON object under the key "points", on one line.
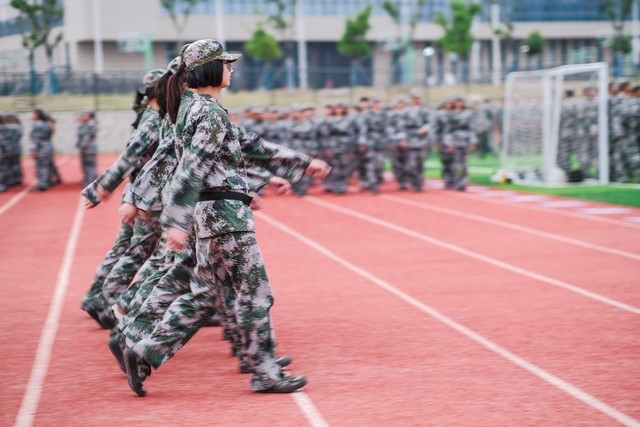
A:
{"points": [[308, 409], [540, 208], [31, 398], [15, 199], [533, 369], [512, 226], [475, 255]]}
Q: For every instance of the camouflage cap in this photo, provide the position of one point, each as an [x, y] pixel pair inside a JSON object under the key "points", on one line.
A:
{"points": [[201, 52], [151, 78], [174, 64]]}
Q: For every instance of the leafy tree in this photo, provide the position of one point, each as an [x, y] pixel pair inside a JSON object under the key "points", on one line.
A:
{"points": [[282, 21], [400, 14], [179, 12], [38, 18], [533, 45], [457, 36], [353, 42], [505, 30], [262, 46], [619, 12]]}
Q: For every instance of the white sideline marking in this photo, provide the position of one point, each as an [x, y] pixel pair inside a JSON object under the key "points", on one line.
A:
{"points": [[557, 382], [15, 199], [528, 198], [513, 226], [33, 392], [471, 254], [564, 204], [633, 219], [605, 211], [547, 210], [309, 410]]}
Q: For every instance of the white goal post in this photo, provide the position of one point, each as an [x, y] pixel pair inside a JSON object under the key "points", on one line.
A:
{"points": [[532, 130]]}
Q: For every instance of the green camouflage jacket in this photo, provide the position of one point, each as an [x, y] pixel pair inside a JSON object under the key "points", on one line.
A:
{"points": [[213, 159], [139, 149]]}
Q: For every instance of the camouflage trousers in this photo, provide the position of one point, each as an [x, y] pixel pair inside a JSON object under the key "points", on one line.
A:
{"points": [[301, 186], [343, 166], [111, 258], [172, 278], [149, 274], [88, 164], [567, 147], [412, 172], [45, 168], [446, 159], [4, 172], [146, 233], [15, 169], [10, 167], [371, 163], [618, 159], [484, 146], [148, 304], [588, 155], [228, 264], [458, 171]]}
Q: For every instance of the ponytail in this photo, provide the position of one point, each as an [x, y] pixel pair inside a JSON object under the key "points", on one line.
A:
{"points": [[161, 93], [174, 93]]}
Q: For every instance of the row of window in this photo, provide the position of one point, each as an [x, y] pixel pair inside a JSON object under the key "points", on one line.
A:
{"points": [[511, 10]]}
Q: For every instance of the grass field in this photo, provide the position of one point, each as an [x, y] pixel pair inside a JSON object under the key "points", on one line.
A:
{"points": [[480, 171]]}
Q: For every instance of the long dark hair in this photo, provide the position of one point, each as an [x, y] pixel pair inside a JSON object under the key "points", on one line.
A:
{"points": [[174, 92], [161, 93], [209, 74]]}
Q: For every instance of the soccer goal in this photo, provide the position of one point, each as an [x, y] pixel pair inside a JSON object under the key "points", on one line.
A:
{"points": [[555, 125]]}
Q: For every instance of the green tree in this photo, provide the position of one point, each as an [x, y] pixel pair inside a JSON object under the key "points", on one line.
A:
{"points": [[262, 46], [353, 42], [38, 18], [282, 21], [533, 46], [619, 12], [179, 12], [457, 36], [505, 28], [401, 14]]}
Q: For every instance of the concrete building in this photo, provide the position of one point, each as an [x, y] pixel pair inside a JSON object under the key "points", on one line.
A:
{"points": [[573, 30]]}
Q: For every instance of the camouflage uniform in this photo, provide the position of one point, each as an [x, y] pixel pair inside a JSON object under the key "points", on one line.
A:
{"points": [[617, 139], [483, 128], [458, 138], [411, 171], [15, 164], [4, 155], [342, 146], [133, 244], [569, 134], [42, 150], [588, 137], [303, 138], [630, 148], [88, 149], [228, 256], [375, 138]]}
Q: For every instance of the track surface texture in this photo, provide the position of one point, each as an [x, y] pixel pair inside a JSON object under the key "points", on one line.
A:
{"points": [[440, 308]]}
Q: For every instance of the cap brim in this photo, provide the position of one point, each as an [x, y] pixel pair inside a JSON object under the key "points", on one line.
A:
{"points": [[230, 57]]}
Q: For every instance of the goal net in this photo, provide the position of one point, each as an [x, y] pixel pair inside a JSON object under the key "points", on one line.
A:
{"points": [[555, 125]]}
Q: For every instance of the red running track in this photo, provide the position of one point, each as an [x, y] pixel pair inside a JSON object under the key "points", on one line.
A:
{"points": [[404, 309]]}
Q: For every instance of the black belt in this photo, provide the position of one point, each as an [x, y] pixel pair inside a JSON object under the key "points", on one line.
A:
{"points": [[223, 195]]}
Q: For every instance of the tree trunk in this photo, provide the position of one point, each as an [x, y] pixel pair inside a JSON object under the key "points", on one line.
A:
{"points": [[53, 81]]}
